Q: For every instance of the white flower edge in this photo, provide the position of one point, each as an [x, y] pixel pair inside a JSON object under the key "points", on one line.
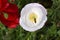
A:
{"points": [[25, 9], [30, 28], [31, 5]]}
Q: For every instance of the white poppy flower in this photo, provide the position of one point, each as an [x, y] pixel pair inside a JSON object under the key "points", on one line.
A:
{"points": [[33, 17]]}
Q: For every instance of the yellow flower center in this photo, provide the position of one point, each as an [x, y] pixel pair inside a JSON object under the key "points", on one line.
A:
{"points": [[33, 17]]}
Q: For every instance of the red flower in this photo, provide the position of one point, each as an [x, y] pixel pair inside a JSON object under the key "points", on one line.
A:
{"points": [[12, 10]]}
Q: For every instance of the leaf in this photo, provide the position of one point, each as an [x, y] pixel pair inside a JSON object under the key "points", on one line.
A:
{"points": [[58, 32], [52, 30]]}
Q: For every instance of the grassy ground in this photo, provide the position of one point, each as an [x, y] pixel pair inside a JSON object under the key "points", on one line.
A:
{"points": [[51, 30]]}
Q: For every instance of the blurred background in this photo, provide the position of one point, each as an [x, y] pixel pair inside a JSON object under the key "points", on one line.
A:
{"points": [[51, 30]]}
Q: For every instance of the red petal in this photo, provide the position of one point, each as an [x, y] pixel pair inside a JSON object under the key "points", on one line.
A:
{"points": [[13, 16], [3, 3], [12, 11], [13, 24], [12, 8], [8, 23]]}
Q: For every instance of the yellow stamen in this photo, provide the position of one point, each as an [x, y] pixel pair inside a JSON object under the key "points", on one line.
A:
{"points": [[33, 17]]}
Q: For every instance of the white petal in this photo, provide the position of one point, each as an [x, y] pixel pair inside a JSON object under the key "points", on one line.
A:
{"points": [[31, 29], [38, 12], [33, 7], [27, 8]]}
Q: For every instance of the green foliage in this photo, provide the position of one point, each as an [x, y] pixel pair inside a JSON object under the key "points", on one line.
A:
{"points": [[49, 32]]}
